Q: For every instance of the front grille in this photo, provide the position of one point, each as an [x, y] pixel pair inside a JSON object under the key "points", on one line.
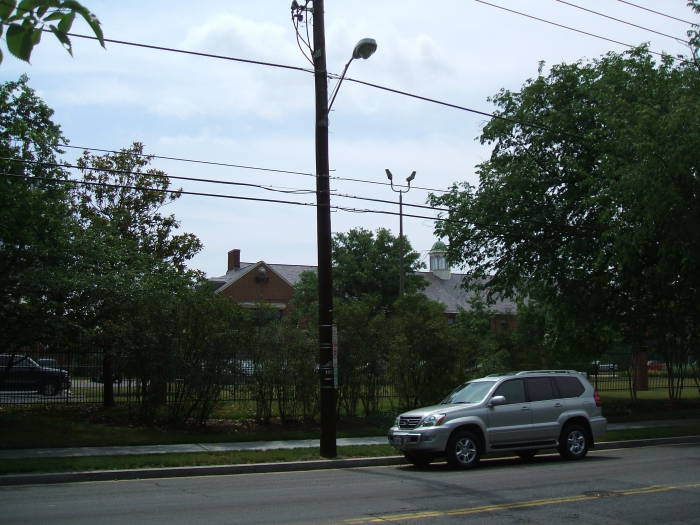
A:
{"points": [[407, 422]]}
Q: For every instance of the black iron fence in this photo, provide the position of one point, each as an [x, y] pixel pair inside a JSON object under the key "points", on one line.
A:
{"points": [[244, 381]]}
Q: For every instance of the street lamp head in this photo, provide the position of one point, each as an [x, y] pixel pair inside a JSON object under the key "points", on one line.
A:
{"points": [[411, 177], [388, 174], [365, 48]]}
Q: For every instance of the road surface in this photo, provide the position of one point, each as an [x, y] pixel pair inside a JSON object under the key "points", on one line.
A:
{"points": [[637, 486]]}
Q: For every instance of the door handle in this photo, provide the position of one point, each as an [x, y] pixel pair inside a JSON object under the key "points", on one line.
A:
{"points": [[557, 405], [525, 408]]}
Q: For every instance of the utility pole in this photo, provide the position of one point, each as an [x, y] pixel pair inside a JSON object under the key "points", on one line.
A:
{"points": [[328, 388], [402, 244]]}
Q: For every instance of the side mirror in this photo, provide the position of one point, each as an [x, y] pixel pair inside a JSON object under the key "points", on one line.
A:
{"points": [[497, 401]]}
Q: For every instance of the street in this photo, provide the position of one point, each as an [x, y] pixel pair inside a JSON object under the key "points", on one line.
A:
{"points": [[638, 485]]}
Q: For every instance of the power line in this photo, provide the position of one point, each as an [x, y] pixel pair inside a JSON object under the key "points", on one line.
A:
{"points": [[193, 53], [216, 195], [656, 12], [617, 19], [242, 166], [370, 84], [164, 175], [565, 27], [213, 181], [504, 228]]}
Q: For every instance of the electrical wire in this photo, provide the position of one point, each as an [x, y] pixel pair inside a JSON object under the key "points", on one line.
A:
{"points": [[166, 176], [656, 12], [193, 53], [229, 165], [568, 27], [618, 20], [570, 230], [335, 76], [215, 181], [218, 195]]}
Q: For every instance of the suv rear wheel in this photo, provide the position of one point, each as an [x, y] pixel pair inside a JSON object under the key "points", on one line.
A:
{"points": [[463, 450], [573, 442]]}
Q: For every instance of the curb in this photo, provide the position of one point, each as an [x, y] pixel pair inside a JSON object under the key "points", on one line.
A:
{"points": [[261, 468]]}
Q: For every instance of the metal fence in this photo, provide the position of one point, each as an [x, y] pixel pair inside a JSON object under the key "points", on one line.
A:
{"points": [[87, 386]]}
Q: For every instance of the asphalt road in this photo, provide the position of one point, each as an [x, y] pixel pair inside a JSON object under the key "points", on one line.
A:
{"points": [[640, 485]]}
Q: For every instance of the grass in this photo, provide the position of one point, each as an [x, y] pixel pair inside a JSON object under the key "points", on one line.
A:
{"points": [[82, 464], [85, 426]]}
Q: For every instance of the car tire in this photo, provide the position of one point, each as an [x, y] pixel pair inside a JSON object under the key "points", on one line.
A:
{"points": [[463, 450], [417, 459], [49, 389], [574, 442], [527, 455]]}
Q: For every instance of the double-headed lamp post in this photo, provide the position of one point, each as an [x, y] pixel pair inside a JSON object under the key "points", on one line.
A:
{"points": [[328, 387], [402, 246]]}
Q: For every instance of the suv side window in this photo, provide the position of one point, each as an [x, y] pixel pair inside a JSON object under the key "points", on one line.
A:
{"points": [[513, 390], [569, 386], [539, 388]]}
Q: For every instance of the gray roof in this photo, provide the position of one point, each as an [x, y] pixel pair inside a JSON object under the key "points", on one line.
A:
{"points": [[451, 293], [446, 291]]}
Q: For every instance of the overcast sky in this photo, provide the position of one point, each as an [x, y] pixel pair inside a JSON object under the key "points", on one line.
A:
{"points": [[456, 51]]}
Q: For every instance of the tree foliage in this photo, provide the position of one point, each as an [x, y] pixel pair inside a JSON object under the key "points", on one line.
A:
{"points": [[368, 264], [127, 196], [589, 202], [24, 23], [37, 231]]}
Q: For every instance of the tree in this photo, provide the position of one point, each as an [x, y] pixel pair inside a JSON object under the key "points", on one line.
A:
{"points": [[126, 197], [589, 202], [694, 33], [365, 264], [37, 231], [27, 20]]}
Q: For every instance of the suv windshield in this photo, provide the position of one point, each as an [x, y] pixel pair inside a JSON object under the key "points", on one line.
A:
{"points": [[469, 392]]}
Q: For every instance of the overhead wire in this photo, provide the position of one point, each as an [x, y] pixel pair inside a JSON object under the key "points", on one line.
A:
{"points": [[333, 76], [216, 195], [656, 12], [617, 19], [568, 27], [213, 181], [248, 167], [571, 230]]}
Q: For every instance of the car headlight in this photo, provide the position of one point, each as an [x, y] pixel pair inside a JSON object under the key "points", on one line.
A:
{"points": [[432, 420], [397, 421]]}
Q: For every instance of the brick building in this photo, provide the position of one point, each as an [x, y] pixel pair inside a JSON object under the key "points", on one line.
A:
{"points": [[261, 282]]}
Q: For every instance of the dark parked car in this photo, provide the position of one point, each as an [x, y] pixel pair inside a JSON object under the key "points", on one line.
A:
{"points": [[21, 372]]}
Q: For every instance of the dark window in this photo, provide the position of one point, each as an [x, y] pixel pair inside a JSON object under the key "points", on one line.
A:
{"points": [[513, 391], [569, 386], [539, 388]]}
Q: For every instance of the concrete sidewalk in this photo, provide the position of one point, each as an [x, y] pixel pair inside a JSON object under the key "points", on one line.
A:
{"points": [[252, 445]]}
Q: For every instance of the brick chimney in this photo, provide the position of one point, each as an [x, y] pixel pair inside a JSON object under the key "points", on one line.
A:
{"points": [[234, 260]]}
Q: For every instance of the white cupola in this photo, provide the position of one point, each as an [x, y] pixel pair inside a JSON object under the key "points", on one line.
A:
{"points": [[438, 261]]}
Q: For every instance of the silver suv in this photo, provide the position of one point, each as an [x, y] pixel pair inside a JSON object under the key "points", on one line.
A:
{"points": [[520, 412]]}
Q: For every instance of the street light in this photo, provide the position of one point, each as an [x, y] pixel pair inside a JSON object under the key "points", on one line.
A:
{"points": [[402, 246], [364, 49], [327, 376]]}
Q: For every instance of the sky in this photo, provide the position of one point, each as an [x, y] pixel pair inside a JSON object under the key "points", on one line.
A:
{"points": [[239, 114]]}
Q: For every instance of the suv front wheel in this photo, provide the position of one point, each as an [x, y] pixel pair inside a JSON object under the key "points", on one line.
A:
{"points": [[573, 442], [463, 450]]}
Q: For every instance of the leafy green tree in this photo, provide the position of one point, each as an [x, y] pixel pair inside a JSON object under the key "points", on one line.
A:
{"points": [[126, 196], [37, 232], [363, 356], [24, 23], [426, 357], [588, 204], [368, 264]]}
